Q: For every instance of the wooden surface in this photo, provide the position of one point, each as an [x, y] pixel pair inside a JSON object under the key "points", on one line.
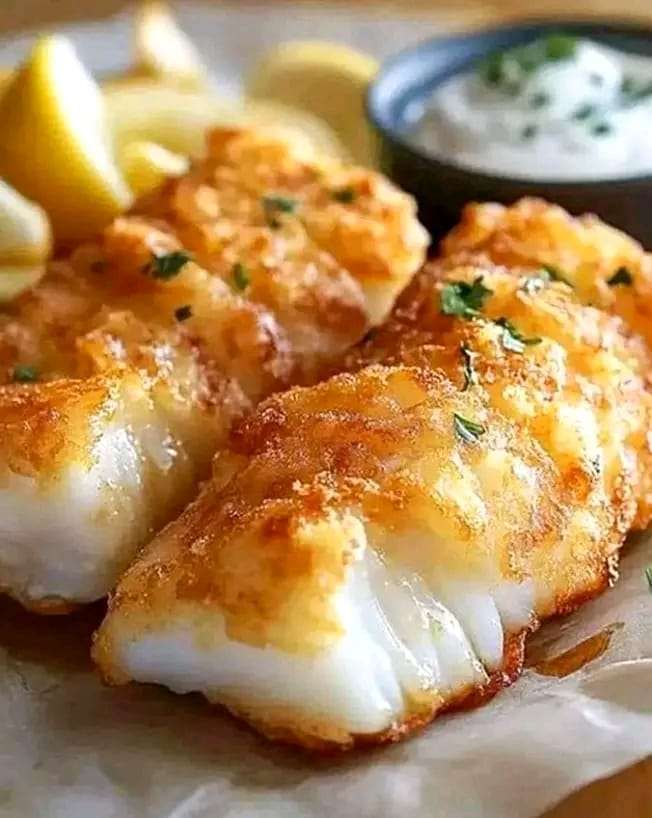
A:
{"points": [[629, 793]]}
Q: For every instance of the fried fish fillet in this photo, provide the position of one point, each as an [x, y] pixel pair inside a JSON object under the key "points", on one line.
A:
{"points": [[606, 267], [122, 371], [373, 550]]}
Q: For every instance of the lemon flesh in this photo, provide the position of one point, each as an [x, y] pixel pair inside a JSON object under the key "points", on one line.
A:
{"points": [[145, 165], [327, 80], [24, 229], [53, 143], [16, 279], [147, 111], [163, 51]]}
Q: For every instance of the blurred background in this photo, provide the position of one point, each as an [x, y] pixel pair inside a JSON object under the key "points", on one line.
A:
{"points": [[27, 13]]}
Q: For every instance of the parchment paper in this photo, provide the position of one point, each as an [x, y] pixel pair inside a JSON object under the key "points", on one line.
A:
{"points": [[70, 748]]}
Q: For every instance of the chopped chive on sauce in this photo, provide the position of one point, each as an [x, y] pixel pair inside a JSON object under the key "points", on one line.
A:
{"points": [[648, 577], [470, 375], [602, 129], [241, 278], [463, 299], [183, 313], [344, 195], [622, 276], [25, 374], [539, 100], [504, 69], [529, 132], [468, 430], [167, 265], [512, 339], [584, 112]]}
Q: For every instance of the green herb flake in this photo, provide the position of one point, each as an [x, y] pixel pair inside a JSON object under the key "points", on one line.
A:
{"points": [[25, 374], [463, 299], [344, 195], [584, 112], [602, 129], [512, 339], [183, 313], [168, 265], [539, 100], [470, 375], [555, 274], [493, 68], [273, 205], [560, 47], [529, 132], [241, 278], [468, 430], [621, 276], [648, 577]]}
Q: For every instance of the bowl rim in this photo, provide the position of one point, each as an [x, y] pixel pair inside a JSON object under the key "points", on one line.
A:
{"points": [[598, 25]]}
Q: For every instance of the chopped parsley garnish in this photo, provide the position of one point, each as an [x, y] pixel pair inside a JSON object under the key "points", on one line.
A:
{"points": [[470, 375], [555, 274], [183, 313], [463, 299], [584, 112], [273, 205], [648, 577], [25, 374], [529, 132], [241, 278], [539, 100], [621, 276], [345, 195], [602, 129], [168, 265], [468, 430], [512, 339]]}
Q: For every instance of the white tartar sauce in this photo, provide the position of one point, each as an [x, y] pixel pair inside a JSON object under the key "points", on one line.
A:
{"points": [[560, 108]]}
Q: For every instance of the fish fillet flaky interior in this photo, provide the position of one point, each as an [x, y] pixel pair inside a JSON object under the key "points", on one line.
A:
{"points": [[124, 368], [373, 550]]}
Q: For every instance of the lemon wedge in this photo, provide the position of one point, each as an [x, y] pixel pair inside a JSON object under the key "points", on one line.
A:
{"points": [[326, 80], [53, 143], [25, 242], [148, 111], [145, 165], [163, 50], [24, 229], [16, 279]]}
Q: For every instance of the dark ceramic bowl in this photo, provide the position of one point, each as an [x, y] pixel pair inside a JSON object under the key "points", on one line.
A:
{"points": [[443, 188]]}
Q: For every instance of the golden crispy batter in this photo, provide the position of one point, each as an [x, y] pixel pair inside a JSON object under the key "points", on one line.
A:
{"points": [[277, 273], [585, 251], [372, 550]]}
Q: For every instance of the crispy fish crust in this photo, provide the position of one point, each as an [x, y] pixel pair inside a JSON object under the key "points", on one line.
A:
{"points": [[372, 550], [584, 251], [141, 369]]}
